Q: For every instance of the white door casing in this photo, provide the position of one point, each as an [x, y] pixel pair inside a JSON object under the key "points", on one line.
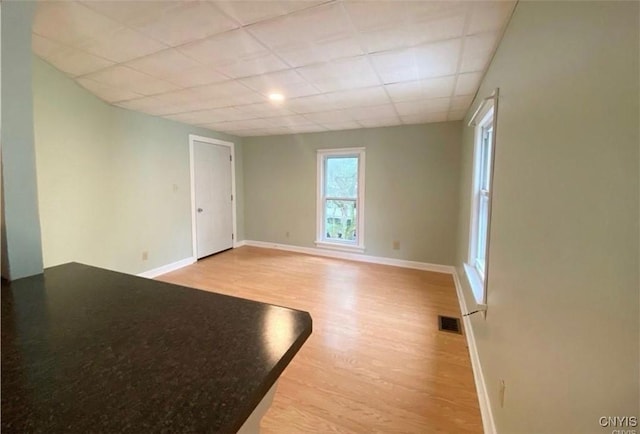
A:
{"points": [[212, 195]]}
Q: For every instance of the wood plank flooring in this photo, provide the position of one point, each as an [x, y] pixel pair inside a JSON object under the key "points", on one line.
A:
{"points": [[375, 363]]}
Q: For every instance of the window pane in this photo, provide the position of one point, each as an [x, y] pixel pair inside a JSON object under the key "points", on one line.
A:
{"points": [[483, 218], [340, 220], [485, 158], [341, 177]]}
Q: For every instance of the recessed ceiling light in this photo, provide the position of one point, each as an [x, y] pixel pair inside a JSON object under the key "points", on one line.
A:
{"points": [[276, 97]]}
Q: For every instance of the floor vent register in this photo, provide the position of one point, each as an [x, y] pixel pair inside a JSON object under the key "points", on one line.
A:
{"points": [[449, 324]]}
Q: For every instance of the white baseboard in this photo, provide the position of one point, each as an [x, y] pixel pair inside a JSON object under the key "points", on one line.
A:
{"points": [[167, 268], [237, 244], [481, 387], [353, 256]]}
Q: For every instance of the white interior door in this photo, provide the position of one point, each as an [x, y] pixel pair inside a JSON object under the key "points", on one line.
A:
{"points": [[213, 201]]}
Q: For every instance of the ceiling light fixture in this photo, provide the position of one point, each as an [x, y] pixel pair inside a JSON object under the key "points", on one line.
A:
{"points": [[276, 97]]}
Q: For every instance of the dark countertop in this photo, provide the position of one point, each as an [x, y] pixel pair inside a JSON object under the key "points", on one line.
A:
{"points": [[86, 350]]}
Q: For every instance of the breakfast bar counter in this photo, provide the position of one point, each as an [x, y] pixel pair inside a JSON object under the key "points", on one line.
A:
{"points": [[90, 350]]}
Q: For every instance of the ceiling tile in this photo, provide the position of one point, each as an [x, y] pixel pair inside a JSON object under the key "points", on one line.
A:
{"points": [[120, 44], [424, 118], [238, 125], [184, 22], [222, 90], [272, 131], [67, 59], [225, 48], [265, 110], [147, 105], [359, 97], [321, 23], [309, 128], [381, 122], [488, 16], [461, 102], [386, 111], [437, 59], [422, 107], [75, 62], [125, 78], [341, 74], [130, 12], [385, 39], [396, 66], [306, 54], [334, 126], [334, 116], [439, 28], [289, 83], [321, 33], [69, 22], [289, 121], [197, 76], [421, 89], [311, 104], [107, 93], [424, 61], [210, 116], [248, 66], [368, 15], [200, 104], [467, 84], [229, 93], [478, 50], [178, 97], [163, 64], [231, 55], [249, 12], [153, 86], [46, 48]]}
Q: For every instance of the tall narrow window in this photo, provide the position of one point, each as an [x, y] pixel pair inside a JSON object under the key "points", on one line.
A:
{"points": [[477, 264], [341, 199], [482, 196]]}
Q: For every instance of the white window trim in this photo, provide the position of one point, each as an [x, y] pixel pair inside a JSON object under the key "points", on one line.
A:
{"points": [[320, 241], [487, 113]]}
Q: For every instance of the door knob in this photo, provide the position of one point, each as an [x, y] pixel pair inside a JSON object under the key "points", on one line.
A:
{"points": [[200, 210]]}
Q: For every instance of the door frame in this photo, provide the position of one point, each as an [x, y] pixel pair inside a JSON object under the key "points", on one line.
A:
{"points": [[195, 138]]}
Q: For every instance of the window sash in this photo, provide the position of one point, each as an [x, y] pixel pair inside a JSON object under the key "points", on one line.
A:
{"points": [[482, 194], [350, 220], [326, 199]]}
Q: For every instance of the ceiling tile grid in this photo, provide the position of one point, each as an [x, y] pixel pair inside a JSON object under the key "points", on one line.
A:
{"points": [[339, 64]]}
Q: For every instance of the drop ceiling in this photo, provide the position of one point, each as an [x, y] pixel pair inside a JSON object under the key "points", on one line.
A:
{"points": [[339, 64]]}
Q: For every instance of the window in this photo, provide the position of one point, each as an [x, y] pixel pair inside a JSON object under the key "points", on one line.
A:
{"points": [[477, 266], [341, 199]]}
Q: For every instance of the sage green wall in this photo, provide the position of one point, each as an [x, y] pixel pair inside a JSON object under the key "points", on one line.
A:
{"points": [[563, 318], [411, 188], [112, 183], [21, 244]]}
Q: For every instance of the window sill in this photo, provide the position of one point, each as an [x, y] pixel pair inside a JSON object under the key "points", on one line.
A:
{"points": [[476, 284], [339, 246]]}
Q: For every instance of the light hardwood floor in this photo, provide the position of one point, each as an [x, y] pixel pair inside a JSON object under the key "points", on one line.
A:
{"points": [[375, 363]]}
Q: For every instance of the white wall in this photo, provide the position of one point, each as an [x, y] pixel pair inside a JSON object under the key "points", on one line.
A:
{"points": [[562, 327], [411, 188], [112, 183]]}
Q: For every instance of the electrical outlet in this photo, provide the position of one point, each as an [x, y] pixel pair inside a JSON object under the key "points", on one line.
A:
{"points": [[501, 393], [396, 245], [145, 255]]}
